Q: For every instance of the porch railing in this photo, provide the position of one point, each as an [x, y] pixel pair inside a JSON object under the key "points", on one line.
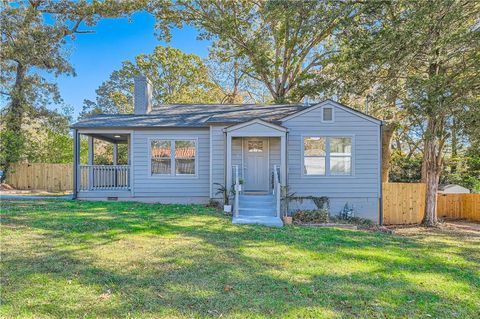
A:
{"points": [[104, 177], [277, 188]]}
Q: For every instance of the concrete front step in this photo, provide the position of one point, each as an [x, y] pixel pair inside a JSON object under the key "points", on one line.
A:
{"points": [[257, 211], [256, 197], [258, 220], [251, 206]]}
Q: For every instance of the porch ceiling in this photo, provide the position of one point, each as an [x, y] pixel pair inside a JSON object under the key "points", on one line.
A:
{"points": [[120, 138]]}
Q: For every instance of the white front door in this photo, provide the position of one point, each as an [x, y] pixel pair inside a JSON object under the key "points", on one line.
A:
{"points": [[256, 172]]}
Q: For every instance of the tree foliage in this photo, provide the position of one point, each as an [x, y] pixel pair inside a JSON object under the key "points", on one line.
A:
{"points": [[284, 43], [176, 77], [33, 38]]}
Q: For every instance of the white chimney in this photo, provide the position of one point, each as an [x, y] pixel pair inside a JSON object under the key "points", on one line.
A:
{"points": [[142, 99]]}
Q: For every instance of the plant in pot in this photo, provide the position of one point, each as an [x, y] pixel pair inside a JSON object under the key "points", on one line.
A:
{"points": [[227, 208]]}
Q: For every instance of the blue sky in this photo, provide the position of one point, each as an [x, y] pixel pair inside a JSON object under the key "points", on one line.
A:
{"points": [[95, 56]]}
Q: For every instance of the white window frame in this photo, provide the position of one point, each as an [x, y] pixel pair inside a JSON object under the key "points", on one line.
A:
{"points": [[340, 156], [327, 156], [172, 140], [333, 113], [316, 156]]}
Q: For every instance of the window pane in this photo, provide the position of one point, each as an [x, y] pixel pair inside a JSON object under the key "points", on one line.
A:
{"points": [[314, 146], [255, 146], [185, 148], [161, 166], [161, 148], [327, 114], [340, 165], [340, 146], [314, 165], [185, 166]]}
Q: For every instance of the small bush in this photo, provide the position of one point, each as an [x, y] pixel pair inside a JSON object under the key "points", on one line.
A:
{"points": [[315, 216], [353, 220], [213, 204]]}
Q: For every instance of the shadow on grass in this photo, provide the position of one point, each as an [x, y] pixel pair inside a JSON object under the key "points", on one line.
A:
{"points": [[187, 260]]}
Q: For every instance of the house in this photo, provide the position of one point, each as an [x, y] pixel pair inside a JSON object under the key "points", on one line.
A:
{"points": [[181, 153], [453, 189]]}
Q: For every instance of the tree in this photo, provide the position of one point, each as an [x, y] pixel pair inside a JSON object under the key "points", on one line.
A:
{"points": [[33, 35], [227, 71], [176, 77], [283, 42], [435, 46], [367, 72]]}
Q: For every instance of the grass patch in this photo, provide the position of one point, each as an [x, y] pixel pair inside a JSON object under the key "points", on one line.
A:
{"points": [[111, 259]]}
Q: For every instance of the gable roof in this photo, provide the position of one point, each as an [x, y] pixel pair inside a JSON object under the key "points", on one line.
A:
{"points": [[336, 104], [255, 121], [203, 115]]}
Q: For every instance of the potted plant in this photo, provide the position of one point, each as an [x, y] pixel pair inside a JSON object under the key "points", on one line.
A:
{"points": [[227, 208]]}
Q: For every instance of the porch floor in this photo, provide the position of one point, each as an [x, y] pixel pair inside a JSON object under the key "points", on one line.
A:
{"points": [[257, 209]]}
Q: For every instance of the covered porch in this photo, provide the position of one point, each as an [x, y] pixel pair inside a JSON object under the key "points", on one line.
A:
{"points": [[105, 169], [256, 161]]}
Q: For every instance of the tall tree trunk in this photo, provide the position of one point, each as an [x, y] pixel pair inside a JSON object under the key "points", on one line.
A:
{"points": [[13, 138], [388, 131], [453, 163], [432, 167], [16, 109]]}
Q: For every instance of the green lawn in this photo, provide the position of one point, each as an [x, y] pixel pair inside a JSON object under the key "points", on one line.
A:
{"points": [[80, 259]]}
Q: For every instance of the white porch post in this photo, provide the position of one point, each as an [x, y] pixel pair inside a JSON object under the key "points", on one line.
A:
{"points": [[115, 154], [228, 182], [283, 160], [91, 146], [76, 162]]}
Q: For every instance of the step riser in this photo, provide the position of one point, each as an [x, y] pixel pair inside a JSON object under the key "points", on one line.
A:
{"points": [[250, 204], [272, 222]]}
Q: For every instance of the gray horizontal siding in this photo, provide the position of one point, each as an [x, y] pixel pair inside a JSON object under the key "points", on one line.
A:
{"points": [[218, 158], [145, 185], [363, 184]]}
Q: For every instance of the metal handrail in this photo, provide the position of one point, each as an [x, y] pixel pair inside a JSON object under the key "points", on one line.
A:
{"points": [[237, 191], [277, 189]]}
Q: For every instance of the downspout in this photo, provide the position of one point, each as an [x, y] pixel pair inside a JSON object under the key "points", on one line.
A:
{"points": [[286, 173], [380, 176], [225, 158], [75, 163]]}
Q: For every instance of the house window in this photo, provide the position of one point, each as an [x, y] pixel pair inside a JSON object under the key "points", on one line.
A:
{"points": [[173, 157], [319, 151], [340, 155], [314, 155], [327, 114], [161, 157], [185, 157], [255, 146]]}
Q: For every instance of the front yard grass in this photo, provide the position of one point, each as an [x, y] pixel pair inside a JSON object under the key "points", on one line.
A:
{"points": [[106, 259]]}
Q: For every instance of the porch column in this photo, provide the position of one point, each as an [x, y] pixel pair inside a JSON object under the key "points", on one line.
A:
{"points": [[115, 154], [228, 182], [91, 146], [76, 157], [283, 159]]}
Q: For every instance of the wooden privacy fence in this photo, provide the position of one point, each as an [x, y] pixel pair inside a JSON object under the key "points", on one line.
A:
{"points": [[41, 176], [459, 206], [403, 203]]}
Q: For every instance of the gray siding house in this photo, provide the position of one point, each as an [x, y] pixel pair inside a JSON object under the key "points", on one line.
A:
{"points": [[181, 153]]}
